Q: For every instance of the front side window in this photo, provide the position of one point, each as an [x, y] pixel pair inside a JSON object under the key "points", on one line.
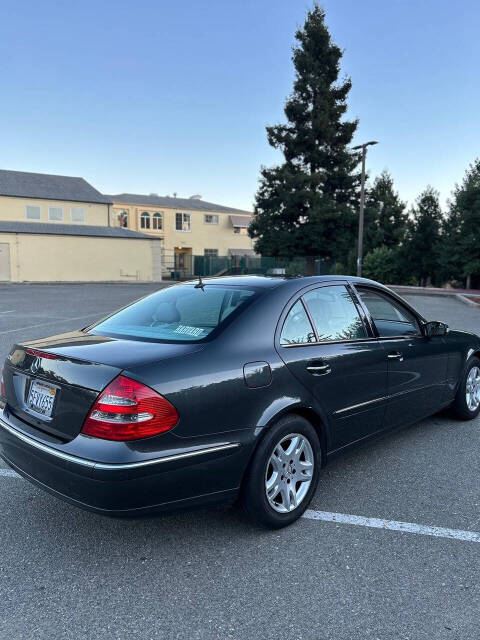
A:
{"points": [[297, 328], [210, 219], [157, 221], [55, 214], [390, 317], [32, 212], [182, 222], [178, 314], [334, 314], [77, 214], [145, 220]]}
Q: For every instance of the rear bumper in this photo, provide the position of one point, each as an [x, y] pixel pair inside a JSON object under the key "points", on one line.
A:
{"points": [[173, 478]]}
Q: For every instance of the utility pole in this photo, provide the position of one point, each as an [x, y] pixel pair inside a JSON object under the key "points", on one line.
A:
{"points": [[363, 147]]}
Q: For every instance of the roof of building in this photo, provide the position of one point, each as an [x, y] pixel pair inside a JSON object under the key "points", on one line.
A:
{"points": [[166, 201], [44, 228], [49, 187]]}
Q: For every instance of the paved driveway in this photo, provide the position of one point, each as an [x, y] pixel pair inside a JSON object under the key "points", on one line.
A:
{"points": [[65, 573]]}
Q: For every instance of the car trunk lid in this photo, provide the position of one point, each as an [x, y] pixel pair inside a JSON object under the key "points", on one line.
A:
{"points": [[52, 384]]}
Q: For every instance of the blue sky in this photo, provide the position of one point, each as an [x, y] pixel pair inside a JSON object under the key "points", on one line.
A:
{"points": [[162, 96]]}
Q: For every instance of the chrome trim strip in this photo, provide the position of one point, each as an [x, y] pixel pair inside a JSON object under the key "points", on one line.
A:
{"points": [[324, 342], [176, 456], [360, 404], [111, 466]]}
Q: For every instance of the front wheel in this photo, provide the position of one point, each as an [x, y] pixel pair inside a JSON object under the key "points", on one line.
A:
{"points": [[467, 400], [283, 474]]}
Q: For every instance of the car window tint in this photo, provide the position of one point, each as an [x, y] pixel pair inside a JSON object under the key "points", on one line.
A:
{"points": [[180, 313], [297, 328], [334, 314], [390, 317]]}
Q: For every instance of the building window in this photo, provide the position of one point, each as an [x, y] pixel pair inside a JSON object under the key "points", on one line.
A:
{"points": [[241, 230], [77, 214], [122, 217], [32, 212], [210, 253], [157, 221], [182, 222], [210, 219], [145, 220], [55, 214]]}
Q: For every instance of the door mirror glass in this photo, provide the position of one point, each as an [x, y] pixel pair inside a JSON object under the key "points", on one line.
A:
{"points": [[434, 328]]}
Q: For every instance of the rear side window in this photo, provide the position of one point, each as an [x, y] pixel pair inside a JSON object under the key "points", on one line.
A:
{"points": [[178, 314], [334, 314], [297, 328]]}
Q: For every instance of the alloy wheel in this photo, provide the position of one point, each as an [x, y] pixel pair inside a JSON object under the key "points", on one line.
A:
{"points": [[289, 472], [472, 392]]}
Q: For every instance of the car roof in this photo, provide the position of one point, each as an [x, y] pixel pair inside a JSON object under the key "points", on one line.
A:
{"points": [[271, 282]]}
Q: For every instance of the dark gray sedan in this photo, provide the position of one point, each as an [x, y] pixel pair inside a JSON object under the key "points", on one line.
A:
{"points": [[230, 388]]}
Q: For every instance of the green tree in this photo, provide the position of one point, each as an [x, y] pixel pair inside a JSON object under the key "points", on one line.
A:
{"points": [[422, 245], [385, 215], [460, 255], [307, 205], [383, 264]]}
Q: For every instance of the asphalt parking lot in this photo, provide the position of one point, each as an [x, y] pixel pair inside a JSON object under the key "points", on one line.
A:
{"points": [[204, 574]]}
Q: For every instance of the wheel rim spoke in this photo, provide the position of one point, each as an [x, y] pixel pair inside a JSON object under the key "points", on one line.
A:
{"points": [[289, 472]]}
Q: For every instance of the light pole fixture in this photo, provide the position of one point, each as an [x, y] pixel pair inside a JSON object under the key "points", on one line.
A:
{"points": [[363, 147]]}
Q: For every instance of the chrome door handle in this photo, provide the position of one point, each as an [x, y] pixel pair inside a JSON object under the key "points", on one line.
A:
{"points": [[318, 370], [395, 355]]}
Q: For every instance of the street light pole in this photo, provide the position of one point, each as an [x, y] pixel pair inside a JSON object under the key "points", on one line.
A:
{"points": [[363, 147]]}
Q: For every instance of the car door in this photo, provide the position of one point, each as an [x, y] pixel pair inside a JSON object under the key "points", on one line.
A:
{"points": [[417, 365], [327, 343]]}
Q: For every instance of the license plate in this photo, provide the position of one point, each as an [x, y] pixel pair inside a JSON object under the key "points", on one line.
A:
{"points": [[41, 398]]}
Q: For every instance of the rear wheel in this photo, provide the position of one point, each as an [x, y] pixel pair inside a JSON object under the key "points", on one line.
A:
{"points": [[467, 400], [284, 473]]}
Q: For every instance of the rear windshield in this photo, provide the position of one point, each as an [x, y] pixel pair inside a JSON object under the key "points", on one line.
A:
{"points": [[180, 313]]}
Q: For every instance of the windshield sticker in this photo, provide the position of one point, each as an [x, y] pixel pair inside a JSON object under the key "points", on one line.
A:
{"points": [[190, 331]]}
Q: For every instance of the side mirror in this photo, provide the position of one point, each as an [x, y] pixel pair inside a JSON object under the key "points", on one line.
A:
{"points": [[434, 328]]}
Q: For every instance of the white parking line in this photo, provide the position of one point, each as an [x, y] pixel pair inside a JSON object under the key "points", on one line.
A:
{"points": [[47, 324], [9, 473], [393, 525], [9, 311], [361, 521]]}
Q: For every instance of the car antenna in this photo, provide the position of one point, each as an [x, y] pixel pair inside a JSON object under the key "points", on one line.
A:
{"points": [[200, 284]]}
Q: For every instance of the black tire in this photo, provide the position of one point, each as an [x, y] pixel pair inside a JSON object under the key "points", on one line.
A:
{"points": [[254, 495], [460, 407]]}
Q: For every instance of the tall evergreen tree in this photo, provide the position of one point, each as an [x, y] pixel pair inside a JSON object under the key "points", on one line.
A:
{"points": [[461, 232], [385, 215], [306, 206], [421, 249]]}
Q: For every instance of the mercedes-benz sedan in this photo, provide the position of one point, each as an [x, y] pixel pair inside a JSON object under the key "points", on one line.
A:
{"points": [[240, 387]]}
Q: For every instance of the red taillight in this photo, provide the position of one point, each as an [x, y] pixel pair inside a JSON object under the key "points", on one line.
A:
{"points": [[129, 410], [41, 354]]}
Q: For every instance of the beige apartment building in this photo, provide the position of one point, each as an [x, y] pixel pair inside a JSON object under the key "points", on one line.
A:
{"points": [[58, 228], [186, 227]]}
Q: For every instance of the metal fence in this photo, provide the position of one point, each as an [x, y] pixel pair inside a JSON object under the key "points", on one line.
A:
{"points": [[176, 268]]}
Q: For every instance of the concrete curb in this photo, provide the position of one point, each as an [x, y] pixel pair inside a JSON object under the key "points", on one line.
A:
{"points": [[424, 291], [466, 300]]}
